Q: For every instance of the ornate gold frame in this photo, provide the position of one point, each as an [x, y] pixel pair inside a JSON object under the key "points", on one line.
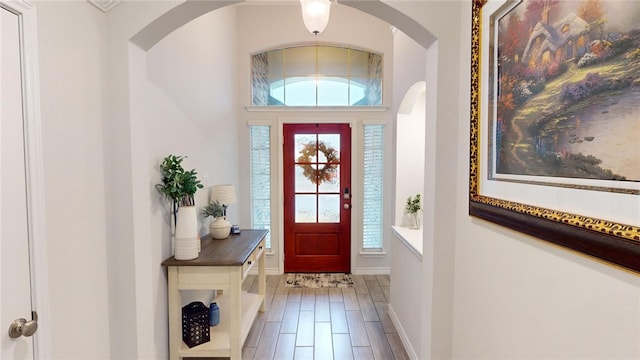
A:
{"points": [[606, 240]]}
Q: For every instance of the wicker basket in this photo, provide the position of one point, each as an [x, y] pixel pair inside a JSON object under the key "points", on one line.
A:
{"points": [[195, 324]]}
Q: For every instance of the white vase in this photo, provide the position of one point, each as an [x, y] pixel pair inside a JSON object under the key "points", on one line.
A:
{"points": [[186, 237], [416, 221], [412, 220], [220, 228]]}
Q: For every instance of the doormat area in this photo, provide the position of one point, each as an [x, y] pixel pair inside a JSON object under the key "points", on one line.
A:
{"points": [[315, 281]]}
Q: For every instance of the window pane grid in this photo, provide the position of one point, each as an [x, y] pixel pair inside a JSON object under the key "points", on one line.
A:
{"points": [[317, 179], [260, 172], [373, 187]]}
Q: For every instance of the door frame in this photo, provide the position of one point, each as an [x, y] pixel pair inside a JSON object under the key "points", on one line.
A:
{"points": [[352, 122], [35, 173]]}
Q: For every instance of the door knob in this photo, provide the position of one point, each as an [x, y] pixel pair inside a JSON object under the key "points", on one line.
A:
{"points": [[22, 327]]}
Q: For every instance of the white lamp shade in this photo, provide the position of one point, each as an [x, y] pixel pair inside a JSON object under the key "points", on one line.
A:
{"points": [[224, 194], [315, 14]]}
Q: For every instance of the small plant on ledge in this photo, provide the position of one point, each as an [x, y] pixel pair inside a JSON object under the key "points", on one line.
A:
{"points": [[412, 207]]}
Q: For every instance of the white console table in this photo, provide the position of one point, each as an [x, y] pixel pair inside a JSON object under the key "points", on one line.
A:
{"points": [[222, 265]]}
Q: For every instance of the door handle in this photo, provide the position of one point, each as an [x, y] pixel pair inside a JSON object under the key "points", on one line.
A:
{"points": [[23, 327]]}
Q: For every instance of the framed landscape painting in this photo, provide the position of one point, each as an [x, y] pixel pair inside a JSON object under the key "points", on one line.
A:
{"points": [[555, 122]]}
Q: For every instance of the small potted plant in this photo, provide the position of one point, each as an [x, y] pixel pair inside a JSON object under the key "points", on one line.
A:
{"points": [[412, 207], [180, 186], [217, 229]]}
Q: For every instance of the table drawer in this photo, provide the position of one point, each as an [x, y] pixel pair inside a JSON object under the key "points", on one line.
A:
{"points": [[253, 258]]}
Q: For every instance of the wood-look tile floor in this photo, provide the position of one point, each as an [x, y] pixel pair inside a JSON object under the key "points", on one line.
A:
{"points": [[327, 323]]}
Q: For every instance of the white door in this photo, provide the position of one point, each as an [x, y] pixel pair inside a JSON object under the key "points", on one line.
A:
{"points": [[15, 286]]}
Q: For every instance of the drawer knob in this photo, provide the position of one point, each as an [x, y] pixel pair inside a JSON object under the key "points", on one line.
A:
{"points": [[250, 262]]}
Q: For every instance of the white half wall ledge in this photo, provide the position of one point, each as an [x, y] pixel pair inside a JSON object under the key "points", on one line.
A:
{"points": [[104, 5]]}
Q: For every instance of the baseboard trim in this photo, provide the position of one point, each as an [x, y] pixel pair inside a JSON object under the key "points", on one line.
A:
{"points": [[268, 271], [402, 334], [372, 271]]}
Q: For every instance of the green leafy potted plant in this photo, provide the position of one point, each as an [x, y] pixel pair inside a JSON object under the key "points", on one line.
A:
{"points": [[180, 186], [412, 207]]}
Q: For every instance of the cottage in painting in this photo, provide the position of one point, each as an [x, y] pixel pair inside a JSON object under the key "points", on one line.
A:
{"points": [[555, 43]]}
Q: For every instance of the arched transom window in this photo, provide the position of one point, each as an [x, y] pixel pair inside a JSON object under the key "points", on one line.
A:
{"points": [[316, 75]]}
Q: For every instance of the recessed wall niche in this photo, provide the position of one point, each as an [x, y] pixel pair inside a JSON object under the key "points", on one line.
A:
{"points": [[410, 145]]}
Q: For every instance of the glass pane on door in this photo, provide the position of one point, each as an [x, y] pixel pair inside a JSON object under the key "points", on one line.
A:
{"points": [[328, 208], [306, 208], [317, 178], [306, 149], [302, 181], [329, 145], [331, 184]]}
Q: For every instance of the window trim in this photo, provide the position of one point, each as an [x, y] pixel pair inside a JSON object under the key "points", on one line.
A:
{"points": [[273, 108]]}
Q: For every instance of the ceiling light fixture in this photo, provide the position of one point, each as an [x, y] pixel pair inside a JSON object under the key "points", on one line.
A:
{"points": [[315, 14]]}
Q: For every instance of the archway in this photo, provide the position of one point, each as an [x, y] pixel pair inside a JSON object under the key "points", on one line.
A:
{"points": [[190, 10], [182, 14]]}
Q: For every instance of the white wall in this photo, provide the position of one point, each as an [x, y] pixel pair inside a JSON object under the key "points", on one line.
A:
{"points": [[513, 296], [516, 296], [407, 301], [190, 113], [441, 71], [133, 252], [87, 170], [409, 75], [72, 86], [406, 304], [194, 106], [185, 105]]}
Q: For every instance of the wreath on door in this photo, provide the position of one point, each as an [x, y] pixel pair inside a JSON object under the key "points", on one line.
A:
{"points": [[320, 174]]}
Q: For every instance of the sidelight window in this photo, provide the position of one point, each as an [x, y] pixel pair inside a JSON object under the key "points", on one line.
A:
{"points": [[260, 172], [373, 189]]}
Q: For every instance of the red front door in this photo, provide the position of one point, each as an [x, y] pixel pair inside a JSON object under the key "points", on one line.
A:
{"points": [[317, 197]]}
